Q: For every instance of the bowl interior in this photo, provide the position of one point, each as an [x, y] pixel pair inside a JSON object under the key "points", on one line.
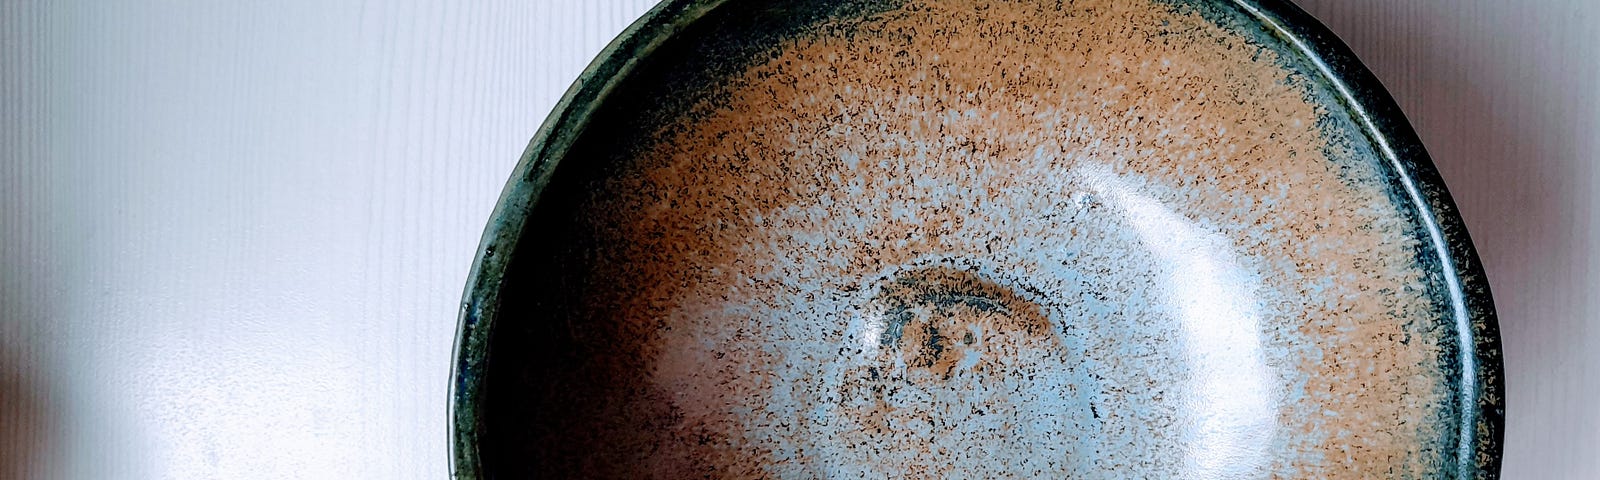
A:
{"points": [[975, 238]]}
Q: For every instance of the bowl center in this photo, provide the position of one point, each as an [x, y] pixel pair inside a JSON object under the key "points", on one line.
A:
{"points": [[949, 350]]}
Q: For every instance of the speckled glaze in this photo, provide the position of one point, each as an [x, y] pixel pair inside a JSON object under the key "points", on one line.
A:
{"points": [[977, 239]]}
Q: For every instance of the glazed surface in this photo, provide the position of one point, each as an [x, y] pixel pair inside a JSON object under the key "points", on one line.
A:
{"points": [[986, 238]]}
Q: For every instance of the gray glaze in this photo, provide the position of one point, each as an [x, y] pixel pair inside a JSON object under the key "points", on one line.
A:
{"points": [[977, 238]]}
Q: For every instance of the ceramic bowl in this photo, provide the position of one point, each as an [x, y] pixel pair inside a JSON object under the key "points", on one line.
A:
{"points": [[976, 239]]}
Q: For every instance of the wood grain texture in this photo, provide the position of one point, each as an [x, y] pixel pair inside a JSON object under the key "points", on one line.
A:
{"points": [[233, 235]]}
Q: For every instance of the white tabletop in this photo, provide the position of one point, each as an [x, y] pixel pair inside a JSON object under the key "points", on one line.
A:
{"points": [[233, 235]]}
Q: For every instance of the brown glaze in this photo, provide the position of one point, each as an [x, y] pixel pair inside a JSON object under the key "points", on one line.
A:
{"points": [[975, 170]]}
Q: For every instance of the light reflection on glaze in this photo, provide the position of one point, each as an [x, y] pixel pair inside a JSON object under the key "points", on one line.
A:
{"points": [[1160, 258], [1233, 417]]}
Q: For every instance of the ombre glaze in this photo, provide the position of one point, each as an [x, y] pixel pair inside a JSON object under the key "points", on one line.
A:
{"points": [[982, 239]]}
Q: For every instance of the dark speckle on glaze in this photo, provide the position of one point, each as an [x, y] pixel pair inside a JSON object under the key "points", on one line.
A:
{"points": [[974, 239]]}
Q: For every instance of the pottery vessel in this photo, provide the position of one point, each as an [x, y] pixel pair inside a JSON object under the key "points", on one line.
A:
{"points": [[977, 239]]}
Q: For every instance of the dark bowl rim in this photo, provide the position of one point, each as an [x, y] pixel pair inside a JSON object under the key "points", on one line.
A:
{"points": [[1481, 400]]}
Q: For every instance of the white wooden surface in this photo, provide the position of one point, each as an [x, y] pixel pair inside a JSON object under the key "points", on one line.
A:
{"points": [[233, 234]]}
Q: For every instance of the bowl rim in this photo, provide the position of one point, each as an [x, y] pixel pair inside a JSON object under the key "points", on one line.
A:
{"points": [[1481, 401]]}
